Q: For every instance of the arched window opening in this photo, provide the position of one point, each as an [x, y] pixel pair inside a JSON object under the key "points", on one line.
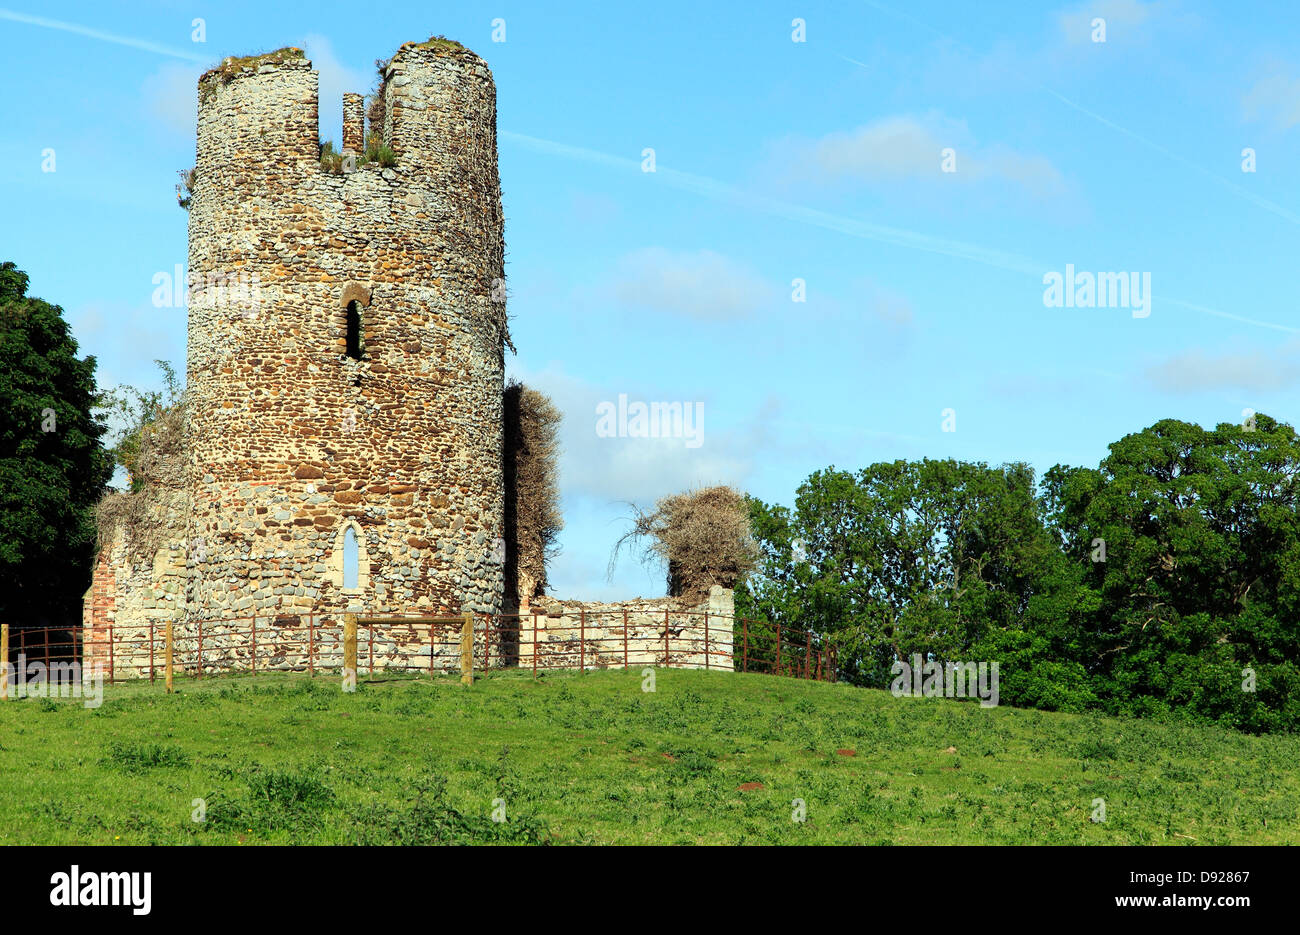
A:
{"points": [[354, 330], [351, 559]]}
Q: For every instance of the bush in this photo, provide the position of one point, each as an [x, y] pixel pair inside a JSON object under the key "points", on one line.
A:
{"points": [[703, 536]]}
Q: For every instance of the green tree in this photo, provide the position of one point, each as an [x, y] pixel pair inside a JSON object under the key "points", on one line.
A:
{"points": [[52, 466], [905, 557], [1165, 582], [1200, 580]]}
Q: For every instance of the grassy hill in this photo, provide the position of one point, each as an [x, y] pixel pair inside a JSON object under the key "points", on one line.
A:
{"points": [[592, 758]]}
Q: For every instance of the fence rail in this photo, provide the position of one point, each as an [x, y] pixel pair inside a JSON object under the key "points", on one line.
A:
{"points": [[534, 642]]}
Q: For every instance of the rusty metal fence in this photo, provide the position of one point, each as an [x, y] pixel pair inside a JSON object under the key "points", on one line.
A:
{"points": [[534, 642]]}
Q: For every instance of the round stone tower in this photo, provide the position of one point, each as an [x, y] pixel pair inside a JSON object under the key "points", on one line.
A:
{"points": [[346, 332]]}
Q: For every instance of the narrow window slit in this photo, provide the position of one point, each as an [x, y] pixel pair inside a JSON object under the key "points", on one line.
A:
{"points": [[354, 330], [351, 559]]}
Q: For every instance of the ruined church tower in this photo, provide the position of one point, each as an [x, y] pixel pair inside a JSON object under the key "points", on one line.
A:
{"points": [[345, 358]]}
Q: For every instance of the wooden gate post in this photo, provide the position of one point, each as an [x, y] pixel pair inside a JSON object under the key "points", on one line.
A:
{"points": [[349, 652], [4, 661], [433, 649], [667, 657], [467, 650], [167, 656]]}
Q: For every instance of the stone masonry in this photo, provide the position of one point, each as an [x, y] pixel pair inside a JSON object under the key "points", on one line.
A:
{"points": [[344, 368], [639, 632], [290, 439]]}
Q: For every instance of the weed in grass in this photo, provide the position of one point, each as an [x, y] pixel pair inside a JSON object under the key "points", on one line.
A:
{"points": [[430, 819], [276, 800], [139, 758], [1094, 749]]}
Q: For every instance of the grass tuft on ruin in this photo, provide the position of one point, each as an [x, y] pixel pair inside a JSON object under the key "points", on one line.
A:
{"points": [[441, 44], [376, 153], [234, 65]]}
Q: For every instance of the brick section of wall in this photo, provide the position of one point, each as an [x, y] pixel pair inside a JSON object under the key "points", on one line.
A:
{"points": [[97, 610], [133, 606]]}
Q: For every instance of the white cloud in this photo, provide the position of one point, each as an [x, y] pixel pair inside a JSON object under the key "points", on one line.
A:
{"points": [[909, 147], [702, 284], [171, 97], [1035, 174], [891, 147], [617, 470], [1197, 371], [1274, 99], [599, 477], [335, 80]]}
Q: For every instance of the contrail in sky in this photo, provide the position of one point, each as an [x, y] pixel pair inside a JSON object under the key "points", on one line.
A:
{"points": [[721, 191], [102, 36]]}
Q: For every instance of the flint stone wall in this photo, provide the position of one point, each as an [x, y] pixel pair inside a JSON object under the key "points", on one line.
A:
{"points": [[289, 437], [567, 635], [591, 635]]}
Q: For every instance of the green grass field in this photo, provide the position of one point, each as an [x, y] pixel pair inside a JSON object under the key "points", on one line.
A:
{"points": [[591, 758]]}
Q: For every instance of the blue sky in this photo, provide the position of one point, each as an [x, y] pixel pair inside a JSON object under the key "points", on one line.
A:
{"points": [[776, 161]]}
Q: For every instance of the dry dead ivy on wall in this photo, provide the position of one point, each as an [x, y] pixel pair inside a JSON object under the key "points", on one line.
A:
{"points": [[531, 454], [702, 536], [146, 513]]}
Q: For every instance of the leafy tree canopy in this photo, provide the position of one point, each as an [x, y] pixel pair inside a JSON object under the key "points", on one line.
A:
{"points": [[1165, 581], [52, 466]]}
